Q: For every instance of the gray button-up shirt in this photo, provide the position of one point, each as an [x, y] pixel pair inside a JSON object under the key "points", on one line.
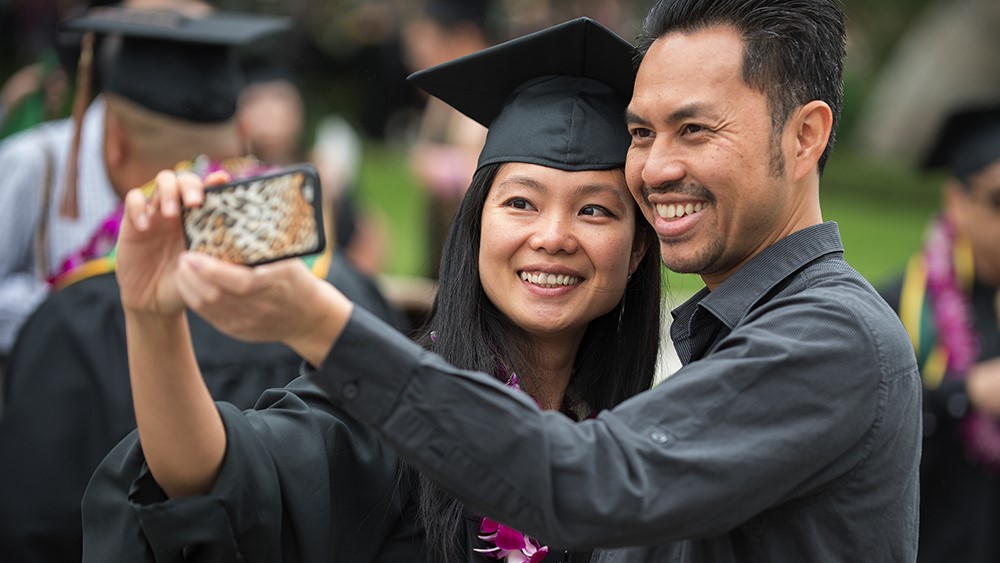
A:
{"points": [[792, 433]]}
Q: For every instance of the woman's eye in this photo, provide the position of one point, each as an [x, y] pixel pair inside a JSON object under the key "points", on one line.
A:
{"points": [[518, 203], [596, 211]]}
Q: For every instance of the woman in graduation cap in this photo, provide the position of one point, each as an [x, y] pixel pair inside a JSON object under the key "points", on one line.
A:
{"points": [[550, 281]]}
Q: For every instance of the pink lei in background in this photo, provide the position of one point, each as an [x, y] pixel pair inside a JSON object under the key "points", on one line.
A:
{"points": [[953, 321], [104, 239]]}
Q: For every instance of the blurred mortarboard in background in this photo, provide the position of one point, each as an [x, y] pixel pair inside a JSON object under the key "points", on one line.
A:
{"points": [[181, 65], [968, 141], [451, 12], [170, 63], [556, 97]]}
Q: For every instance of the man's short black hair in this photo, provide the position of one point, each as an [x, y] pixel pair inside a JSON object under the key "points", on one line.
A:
{"points": [[793, 49]]}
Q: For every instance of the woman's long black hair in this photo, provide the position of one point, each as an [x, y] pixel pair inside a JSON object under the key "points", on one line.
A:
{"points": [[616, 359]]}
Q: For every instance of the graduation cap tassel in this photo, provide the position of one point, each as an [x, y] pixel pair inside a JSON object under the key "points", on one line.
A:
{"points": [[69, 206]]}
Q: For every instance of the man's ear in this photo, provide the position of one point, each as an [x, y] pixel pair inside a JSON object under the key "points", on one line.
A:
{"points": [[953, 202], [116, 142], [810, 125]]}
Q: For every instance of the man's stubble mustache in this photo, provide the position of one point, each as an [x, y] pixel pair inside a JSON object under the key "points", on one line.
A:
{"points": [[690, 189]]}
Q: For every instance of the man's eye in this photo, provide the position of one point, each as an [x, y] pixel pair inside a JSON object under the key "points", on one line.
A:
{"points": [[641, 133], [692, 128], [596, 211], [993, 199]]}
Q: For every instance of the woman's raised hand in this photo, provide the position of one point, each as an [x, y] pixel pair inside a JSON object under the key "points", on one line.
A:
{"points": [[151, 239], [279, 302]]}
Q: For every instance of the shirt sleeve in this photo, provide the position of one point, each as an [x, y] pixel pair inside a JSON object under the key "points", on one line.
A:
{"points": [[297, 484], [23, 166], [764, 419]]}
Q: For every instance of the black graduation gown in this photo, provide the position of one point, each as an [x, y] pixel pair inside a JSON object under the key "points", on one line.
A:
{"points": [[301, 482], [68, 402], [959, 499]]}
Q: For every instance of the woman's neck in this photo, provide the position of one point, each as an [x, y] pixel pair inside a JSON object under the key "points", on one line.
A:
{"points": [[553, 369]]}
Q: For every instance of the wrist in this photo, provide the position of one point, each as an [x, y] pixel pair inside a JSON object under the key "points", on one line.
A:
{"points": [[321, 329], [143, 318]]}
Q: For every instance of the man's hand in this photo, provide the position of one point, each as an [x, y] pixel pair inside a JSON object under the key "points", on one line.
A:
{"points": [[983, 386]]}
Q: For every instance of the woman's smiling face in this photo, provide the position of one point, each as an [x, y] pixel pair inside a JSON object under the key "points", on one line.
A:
{"points": [[557, 247]]}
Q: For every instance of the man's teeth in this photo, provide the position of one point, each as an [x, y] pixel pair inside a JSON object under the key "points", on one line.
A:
{"points": [[675, 210], [549, 279]]}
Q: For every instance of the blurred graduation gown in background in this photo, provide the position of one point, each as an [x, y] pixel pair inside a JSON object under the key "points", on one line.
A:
{"points": [[67, 394]]}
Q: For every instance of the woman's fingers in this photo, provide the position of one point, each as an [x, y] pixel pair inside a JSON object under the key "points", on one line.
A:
{"points": [[196, 289], [217, 177], [136, 209], [257, 304], [191, 188], [165, 194], [235, 278]]}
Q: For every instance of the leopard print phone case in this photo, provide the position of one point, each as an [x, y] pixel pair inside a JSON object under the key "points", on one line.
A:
{"points": [[261, 219]]}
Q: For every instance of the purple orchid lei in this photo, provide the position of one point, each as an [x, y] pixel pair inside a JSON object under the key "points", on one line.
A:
{"points": [[954, 328], [509, 544]]}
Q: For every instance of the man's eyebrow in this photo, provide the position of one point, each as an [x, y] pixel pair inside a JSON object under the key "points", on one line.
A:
{"points": [[632, 117], [686, 112], [680, 114]]}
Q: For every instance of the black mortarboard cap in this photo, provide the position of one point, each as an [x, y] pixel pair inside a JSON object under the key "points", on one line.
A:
{"points": [[173, 64], [451, 12], [968, 141], [556, 97]]}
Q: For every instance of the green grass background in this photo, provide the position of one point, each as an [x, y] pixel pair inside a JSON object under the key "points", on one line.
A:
{"points": [[882, 209]]}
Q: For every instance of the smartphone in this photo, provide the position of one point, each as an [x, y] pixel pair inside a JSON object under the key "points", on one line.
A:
{"points": [[260, 219]]}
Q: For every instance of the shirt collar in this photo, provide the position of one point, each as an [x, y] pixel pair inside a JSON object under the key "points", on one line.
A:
{"points": [[734, 298]]}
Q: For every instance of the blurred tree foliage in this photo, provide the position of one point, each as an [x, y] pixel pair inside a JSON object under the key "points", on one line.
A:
{"points": [[345, 52], [873, 30]]}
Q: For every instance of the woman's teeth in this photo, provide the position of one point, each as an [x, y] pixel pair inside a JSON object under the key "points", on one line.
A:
{"points": [[549, 280]]}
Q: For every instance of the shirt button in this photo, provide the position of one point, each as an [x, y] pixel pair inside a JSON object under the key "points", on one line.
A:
{"points": [[659, 437], [350, 391]]}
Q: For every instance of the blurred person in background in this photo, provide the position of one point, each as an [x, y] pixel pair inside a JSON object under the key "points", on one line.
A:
{"points": [[272, 117], [65, 375], [359, 233], [948, 298], [170, 93], [32, 49], [443, 156], [56, 194], [33, 94]]}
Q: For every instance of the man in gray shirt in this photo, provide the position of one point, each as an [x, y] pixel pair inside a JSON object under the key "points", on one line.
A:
{"points": [[791, 433]]}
